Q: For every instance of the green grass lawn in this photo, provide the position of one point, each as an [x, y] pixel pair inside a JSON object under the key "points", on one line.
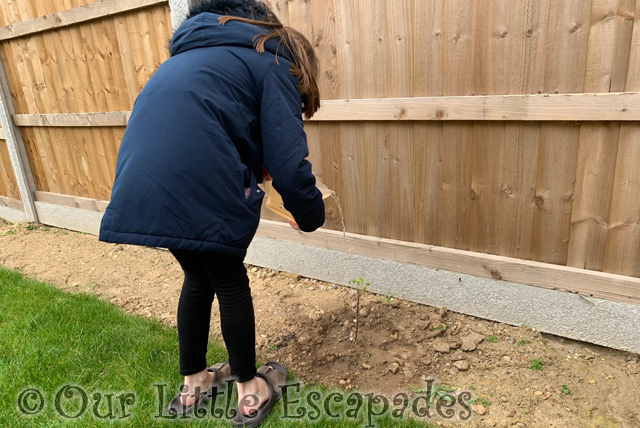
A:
{"points": [[55, 346]]}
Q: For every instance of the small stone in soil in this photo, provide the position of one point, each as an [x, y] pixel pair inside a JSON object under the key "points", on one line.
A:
{"points": [[455, 344], [458, 356], [440, 345], [479, 409], [470, 342], [393, 368], [462, 365]]}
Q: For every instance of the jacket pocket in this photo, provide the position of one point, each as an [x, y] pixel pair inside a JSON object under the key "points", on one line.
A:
{"points": [[254, 190]]}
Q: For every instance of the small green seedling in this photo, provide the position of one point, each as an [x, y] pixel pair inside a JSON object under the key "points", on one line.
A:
{"points": [[492, 338], [565, 390], [535, 364], [30, 227], [522, 342], [438, 391], [273, 347], [387, 300], [483, 401]]}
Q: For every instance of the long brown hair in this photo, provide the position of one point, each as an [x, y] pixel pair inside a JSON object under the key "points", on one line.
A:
{"points": [[305, 66]]}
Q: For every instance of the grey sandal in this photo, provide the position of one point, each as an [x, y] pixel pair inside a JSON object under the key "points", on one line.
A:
{"points": [[221, 373], [276, 376]]}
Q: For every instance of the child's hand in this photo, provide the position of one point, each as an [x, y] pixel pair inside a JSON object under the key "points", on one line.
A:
{"points": [[294, 225]]}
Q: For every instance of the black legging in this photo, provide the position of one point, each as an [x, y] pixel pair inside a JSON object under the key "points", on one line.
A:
{"points": [[206, 274]]}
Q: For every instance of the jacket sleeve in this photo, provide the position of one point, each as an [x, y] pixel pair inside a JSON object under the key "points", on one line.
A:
{"points": [[285, 148]]}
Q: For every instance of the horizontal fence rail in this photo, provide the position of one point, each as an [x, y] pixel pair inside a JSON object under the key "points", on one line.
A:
{"points": [[579, 107], [120, 118], [565, 107], [99, 9]]}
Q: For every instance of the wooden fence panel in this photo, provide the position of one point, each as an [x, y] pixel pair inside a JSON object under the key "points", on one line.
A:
{"points": [[96, 66], [561, 192], [500, 188]]}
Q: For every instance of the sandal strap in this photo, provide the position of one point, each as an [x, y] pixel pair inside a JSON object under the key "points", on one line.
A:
{"points": [[216, 369]]}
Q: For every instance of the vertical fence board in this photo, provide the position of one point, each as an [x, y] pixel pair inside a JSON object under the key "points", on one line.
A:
{"points": [[597, 155], [325, 38], [400, 52], [8, 184], [608, 62], [281, 9], [126, 55], [455, 197], [623, 237], [426, 165], [554, 191]]}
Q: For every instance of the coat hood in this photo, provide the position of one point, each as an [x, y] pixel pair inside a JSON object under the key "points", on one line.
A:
{"points": [[204, 30]]}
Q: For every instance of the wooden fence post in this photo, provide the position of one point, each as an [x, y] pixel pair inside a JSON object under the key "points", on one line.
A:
{"points": [[17, 153], [179, 10]]}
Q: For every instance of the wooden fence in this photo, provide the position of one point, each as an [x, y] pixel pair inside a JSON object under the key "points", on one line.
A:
{"points": [[8, 184], [499, 138]]}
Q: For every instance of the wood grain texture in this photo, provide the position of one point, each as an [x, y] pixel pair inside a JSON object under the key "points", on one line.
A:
{"points": [[73, 119], [493, 126], [72, 201], [22, 10], [12, 203], [60, 75], [608, 56], [8, 184], [566, 107], [623, 234], [590, 283], [64, 18]]}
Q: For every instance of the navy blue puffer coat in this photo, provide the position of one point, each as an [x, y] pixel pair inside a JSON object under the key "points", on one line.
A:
{"points": [[199, 134]]}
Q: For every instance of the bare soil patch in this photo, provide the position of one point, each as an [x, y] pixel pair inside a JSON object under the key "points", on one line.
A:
{"points": [[306, 324]]}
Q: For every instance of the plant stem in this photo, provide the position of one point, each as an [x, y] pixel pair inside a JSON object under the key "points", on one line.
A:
{"points": [[355, 335]]}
